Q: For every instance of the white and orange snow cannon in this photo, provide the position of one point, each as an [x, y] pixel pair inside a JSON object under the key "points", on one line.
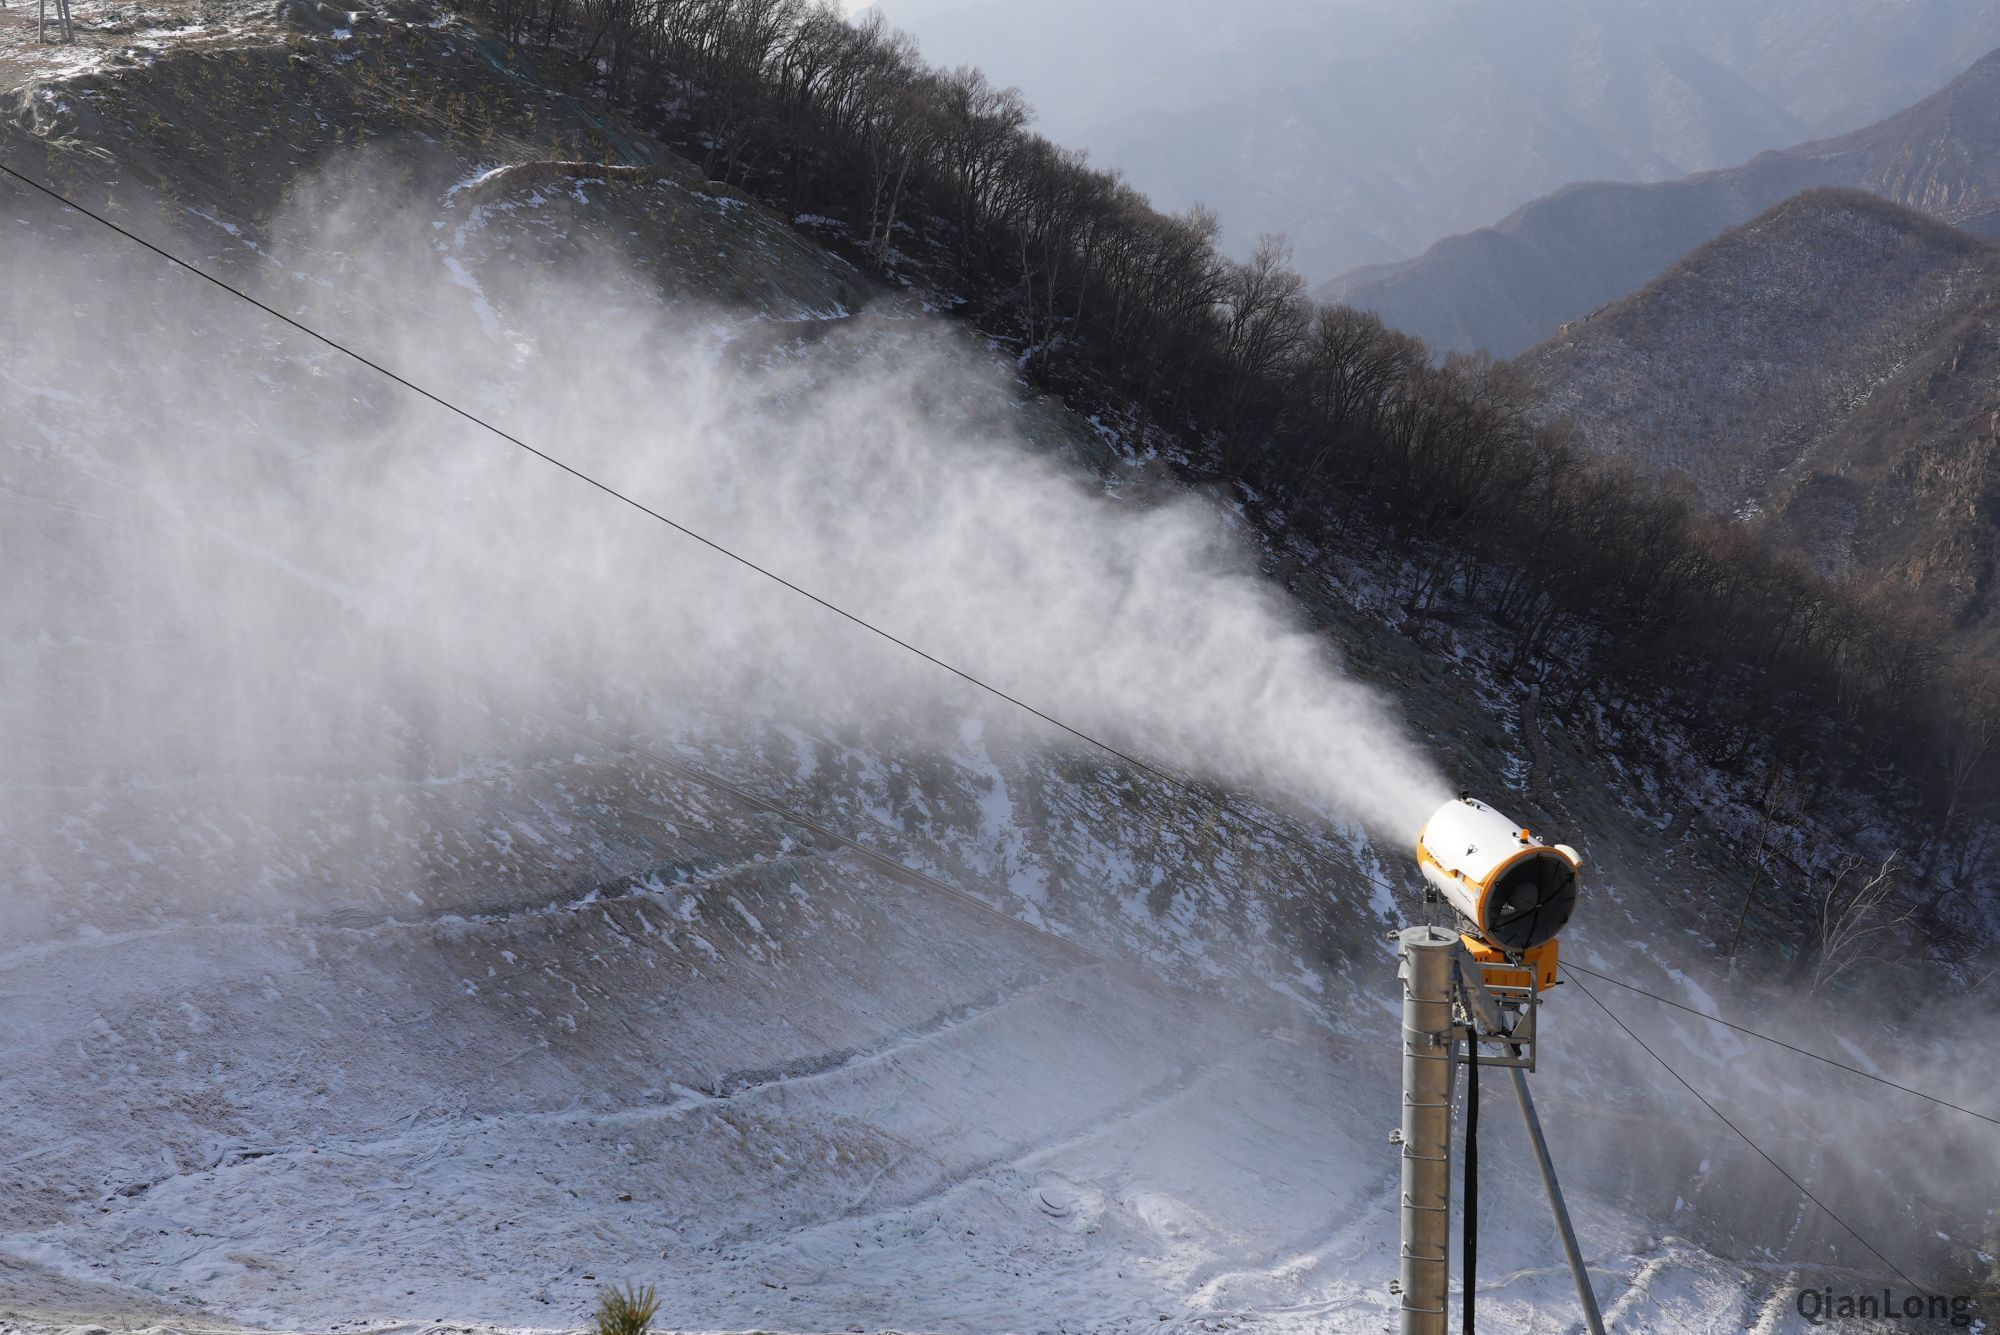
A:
{"points": [[1515, 891], [1471, 997]]}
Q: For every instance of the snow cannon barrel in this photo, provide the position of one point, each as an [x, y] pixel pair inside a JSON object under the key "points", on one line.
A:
{"points": [[1515, 891]]}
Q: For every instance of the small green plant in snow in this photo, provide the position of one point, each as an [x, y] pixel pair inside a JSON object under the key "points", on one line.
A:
{"points": [[627, 1313]]}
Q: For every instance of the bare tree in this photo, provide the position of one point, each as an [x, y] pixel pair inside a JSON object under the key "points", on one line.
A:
{"points": [[1854, 916], [979, 126], [1265, 320]]}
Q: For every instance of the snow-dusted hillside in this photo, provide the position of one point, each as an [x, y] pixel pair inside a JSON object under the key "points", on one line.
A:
{"points": [[371, 959]]}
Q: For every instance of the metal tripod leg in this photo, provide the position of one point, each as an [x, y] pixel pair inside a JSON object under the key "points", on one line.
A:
{"points": [[1585, 1294]]}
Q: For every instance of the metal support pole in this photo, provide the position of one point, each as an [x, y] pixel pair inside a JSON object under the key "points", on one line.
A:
{"points": [[1429, 1072], [1585, 1294]]}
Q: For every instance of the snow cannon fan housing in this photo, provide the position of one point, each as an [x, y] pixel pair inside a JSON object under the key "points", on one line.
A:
{"points": [[1515, 891]]}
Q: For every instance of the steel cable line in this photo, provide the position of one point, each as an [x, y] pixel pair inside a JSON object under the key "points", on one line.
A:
{"points": [[1723, 1118], [1779, 1042], [1184, 785]]}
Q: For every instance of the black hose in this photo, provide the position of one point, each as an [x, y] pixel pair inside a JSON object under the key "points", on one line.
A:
{"points": [[1471, 1170]]}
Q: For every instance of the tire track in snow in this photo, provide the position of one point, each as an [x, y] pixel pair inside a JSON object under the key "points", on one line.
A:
{"points": [[1307, 1253], [1152, 1098], [429, 1139], [752, 1080]]}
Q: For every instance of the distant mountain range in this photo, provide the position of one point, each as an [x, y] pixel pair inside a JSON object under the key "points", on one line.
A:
{"points": [[1504, 288], [1829, 370], [1365, 130]]}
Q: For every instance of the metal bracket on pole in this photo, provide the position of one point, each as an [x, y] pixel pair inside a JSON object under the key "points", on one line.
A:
{"points": [[1500, 1017]]}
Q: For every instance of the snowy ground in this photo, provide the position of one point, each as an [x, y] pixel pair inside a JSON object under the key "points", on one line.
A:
{"points": [[791, 1093]]}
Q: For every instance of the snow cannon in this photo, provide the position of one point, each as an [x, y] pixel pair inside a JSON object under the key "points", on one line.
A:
{"points": [[1513, 891]]}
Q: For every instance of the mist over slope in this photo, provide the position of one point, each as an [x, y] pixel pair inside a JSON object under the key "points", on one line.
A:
{"points": [[1506, 287], [1366, 131], [373, 954], [400, 985], [1827, 366]]}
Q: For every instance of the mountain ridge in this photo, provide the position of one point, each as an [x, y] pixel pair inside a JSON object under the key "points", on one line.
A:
{"points": [[1820, 369], [1505, 287], [1279, 150]]}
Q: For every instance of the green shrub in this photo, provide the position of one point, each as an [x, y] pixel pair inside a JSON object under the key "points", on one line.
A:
{"points": [[627, 1313]]}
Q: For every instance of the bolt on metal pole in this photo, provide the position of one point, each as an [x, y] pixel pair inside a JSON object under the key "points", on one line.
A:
{"points": [[1585, 1294], [1429, 1072]]}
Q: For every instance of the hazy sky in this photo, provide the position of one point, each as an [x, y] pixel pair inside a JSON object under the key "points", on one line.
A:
{"points": [[1365, 130]]}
